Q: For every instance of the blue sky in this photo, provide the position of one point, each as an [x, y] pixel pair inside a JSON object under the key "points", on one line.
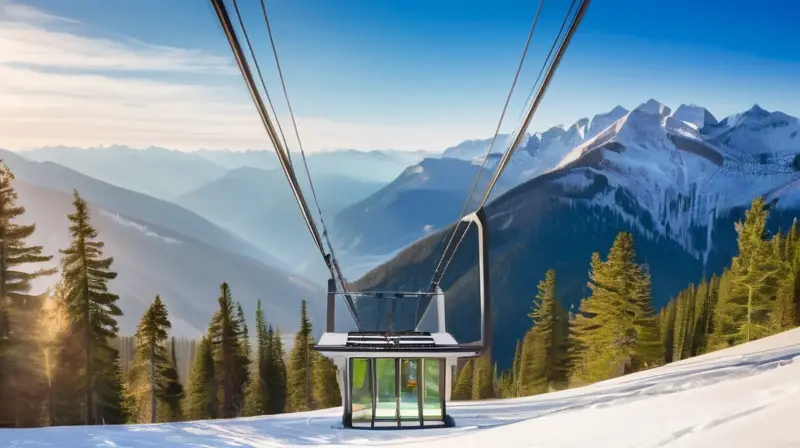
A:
{"points": [[374, 74]]}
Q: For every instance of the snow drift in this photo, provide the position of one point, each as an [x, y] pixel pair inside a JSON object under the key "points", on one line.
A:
{"points": [[744, 396]]}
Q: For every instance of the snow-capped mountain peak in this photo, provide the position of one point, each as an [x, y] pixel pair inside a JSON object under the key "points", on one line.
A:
{"points": [[694, 115], [601, 122], [757, 133], [653, 107]]}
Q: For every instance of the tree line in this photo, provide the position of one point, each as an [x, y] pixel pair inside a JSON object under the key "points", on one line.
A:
{"points": [[617, 330], [59, 357]]}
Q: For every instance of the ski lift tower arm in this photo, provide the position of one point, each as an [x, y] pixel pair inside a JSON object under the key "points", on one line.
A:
{"points": [[478, 219]]}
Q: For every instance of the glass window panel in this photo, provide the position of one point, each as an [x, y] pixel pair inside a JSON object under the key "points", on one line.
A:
{"points": [[387, 389], [431, 395], [409, 382], [362, 390]]}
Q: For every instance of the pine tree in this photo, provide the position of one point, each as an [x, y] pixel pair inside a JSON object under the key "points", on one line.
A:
{"points": [[52, 328], [667, 325], [225, 333], [242, 361], [170, 406], [152, 376], [724, 326], [647, 351], [793, 257], [277, 375], [684, 324], [93, 311], [462, 389], [516, 373], [505, 385], [614, 332], [254, 400], [483, 379], [706, 302], [598, 331], [325, 383], [257, 399], [21, 366], [201, 400], [753, 276], [543, 362], [300, 366], [783, 312]]}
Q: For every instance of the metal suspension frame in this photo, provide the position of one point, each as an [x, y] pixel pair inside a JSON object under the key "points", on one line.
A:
{"points": [[519, 134]]}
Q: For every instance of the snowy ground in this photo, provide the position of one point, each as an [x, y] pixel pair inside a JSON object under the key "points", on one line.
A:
{"points": [[747, 396]]}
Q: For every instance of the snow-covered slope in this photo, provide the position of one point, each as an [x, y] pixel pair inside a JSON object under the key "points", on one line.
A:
{"points": [[746, 396]]}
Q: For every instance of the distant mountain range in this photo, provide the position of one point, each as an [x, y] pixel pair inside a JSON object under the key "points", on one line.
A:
{"points": [[160, 248], [157, 172], [371, 166], [167, 174], [677, 181]]}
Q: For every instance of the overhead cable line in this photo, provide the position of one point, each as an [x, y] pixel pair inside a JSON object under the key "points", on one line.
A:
{"points": [[519, 120], [544, 65], [521, 132], [244, 67], [333, 260], [457, 224], [261, 78]]}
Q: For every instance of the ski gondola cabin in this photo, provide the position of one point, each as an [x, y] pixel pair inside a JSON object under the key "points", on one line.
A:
{"points": [[402, 379]]}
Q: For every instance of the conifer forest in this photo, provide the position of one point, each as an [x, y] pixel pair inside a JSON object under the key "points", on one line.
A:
{"points": [[63, 361]]}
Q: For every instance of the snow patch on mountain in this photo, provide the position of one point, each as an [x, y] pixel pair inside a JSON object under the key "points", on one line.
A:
{"points": [[119, 219]]}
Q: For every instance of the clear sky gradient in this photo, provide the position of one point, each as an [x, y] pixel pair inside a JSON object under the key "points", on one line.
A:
{"points": [[374, 74]]}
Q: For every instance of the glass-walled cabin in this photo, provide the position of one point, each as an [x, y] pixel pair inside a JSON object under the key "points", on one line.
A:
{"points": [[397, 370], [396, 392]]}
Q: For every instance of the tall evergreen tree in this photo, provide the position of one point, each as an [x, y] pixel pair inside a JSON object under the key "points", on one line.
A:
{"points": [[706, 302], [647, 350], [301, 366], [225, 333], [599, 333], [53, 326], [153, 378], [242, 361], [753, 276], [21, 367], [684, 319], [615, 330], [543, 362], [462, 389], [325, 383], [793, 257], [93, 310], [170, 406], [257, 400], [783, 312], [724, 313], [483, 378], [201, 399], [667, 325], [515, 375], [277, 374]]}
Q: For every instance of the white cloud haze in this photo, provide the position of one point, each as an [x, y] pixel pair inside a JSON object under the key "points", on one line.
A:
{"points": [[58, 87]]}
